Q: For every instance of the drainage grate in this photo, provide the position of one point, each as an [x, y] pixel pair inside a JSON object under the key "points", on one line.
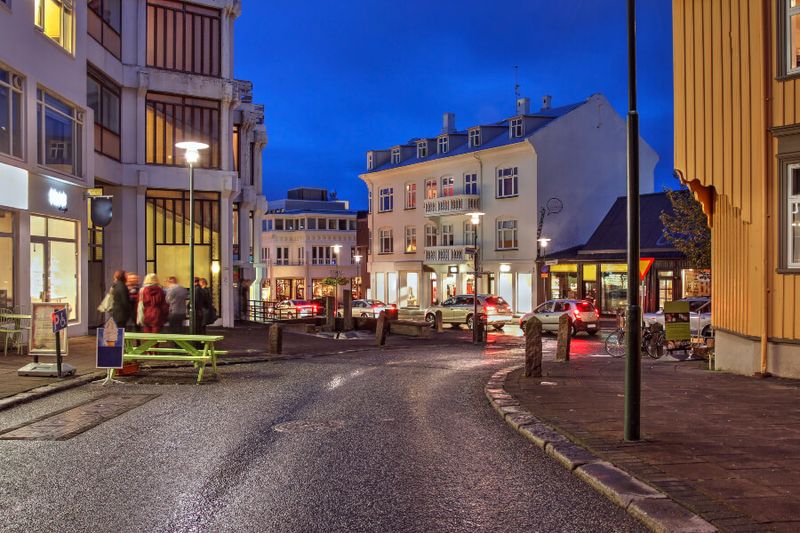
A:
{"points": [[67, 423]]}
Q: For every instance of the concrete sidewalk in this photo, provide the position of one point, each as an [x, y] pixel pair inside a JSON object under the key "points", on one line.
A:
{"points": [[727, 447]]}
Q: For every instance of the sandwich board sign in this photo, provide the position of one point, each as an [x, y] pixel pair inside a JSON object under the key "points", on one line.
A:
{"points": [[676, 321], [110, 343], [48, 338]]}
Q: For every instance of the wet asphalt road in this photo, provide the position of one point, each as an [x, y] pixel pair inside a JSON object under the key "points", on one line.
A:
{"points": [[394, 441]]}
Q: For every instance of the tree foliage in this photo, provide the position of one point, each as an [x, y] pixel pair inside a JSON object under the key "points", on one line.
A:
{"points": [[687, 228], [333, 282]]}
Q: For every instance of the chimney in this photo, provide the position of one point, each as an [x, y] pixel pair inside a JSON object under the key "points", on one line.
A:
{"points": [[523, 106], [546, 100], [449, 123]]}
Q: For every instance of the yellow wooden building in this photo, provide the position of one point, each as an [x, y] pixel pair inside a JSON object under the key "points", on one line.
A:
{"points": [[737, 146]]}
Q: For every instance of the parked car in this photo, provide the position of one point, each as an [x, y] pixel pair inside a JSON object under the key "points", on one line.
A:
{"points": [[371, 309], [583, 316], [460, 309], [320, 306], [293, 309], [699, 316]]}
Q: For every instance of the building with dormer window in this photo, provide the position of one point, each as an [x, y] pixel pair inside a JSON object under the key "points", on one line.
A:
{"points": [[422, 240]]}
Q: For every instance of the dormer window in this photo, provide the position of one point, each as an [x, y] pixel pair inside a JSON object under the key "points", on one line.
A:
{"points": [[395, 156], [443, 143], [422, 149], [475, 137], [517, 127], [370, 161]]}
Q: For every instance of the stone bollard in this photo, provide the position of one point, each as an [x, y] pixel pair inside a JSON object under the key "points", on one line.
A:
{"points": [[330, 314], [381, 329], [533, 348], [347, 310], [275, 339], [564, 339], [438, 323]]}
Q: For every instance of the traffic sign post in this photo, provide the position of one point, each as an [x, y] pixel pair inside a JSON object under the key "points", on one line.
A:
{"points": [[59, 323]]}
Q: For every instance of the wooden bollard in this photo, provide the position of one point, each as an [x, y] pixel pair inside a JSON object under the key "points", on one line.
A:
{"points": [[533, 348], [564, 338], [382, 329], [275, 339], [347, 310], [438, 322]]}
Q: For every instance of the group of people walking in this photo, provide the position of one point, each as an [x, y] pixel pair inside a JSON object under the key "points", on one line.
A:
{"points": [[152, 306]]}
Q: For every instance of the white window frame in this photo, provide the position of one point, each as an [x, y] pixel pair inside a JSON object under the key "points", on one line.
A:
{"points": [[76, 119], [370, 161], [422, 149], [282, 255], [448, 186], [443, 144], [448, 235], [507, 182], [517, 127], [431, 185], [475, 137], [788, 44], [386, 241], [411, 195], [501, 236], [411, 240], [395, 156], [14, 89], [471, 183], [469, 233], [431, 235], [67, 14], [386, 199], [321, 255], [792, 206]]}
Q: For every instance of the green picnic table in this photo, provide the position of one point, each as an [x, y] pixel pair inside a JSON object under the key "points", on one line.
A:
{"points": [[150, 348]]}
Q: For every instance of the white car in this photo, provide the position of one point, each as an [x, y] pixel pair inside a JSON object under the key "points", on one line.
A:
{"points": [[699, 316], [583, 316]]}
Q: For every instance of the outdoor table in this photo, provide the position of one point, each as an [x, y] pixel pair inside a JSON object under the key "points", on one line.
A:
{"points": [[15, 331], [149, 349]]}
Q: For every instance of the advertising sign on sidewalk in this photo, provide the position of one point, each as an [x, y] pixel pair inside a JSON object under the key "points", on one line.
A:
{"points": [[43, 336], [676, 321], [110, 341]]}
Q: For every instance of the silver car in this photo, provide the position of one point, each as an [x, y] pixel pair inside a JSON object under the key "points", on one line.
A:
{"points": [[460, 310], [583, 316], [699, 316]]}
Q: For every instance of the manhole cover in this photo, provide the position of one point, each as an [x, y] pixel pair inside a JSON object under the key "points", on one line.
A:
{"points": [[67, 423], [306, 426]]}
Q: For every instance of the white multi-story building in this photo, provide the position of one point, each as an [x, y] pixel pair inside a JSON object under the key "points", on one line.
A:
{"points": [[94, 96], [420, 194], [307, 238]]}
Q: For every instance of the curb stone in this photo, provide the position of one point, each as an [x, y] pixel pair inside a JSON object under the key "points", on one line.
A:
{"points": [[650, 506]]}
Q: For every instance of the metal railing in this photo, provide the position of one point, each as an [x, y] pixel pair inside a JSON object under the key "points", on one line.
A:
{"points": [[452, 205], [263, 311]]}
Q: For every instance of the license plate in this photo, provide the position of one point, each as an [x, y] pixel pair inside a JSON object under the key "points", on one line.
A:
{"points": [[591, 326]]}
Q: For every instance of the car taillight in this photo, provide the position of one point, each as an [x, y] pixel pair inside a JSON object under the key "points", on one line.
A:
{"points": [[577, 313], [393, 306], [597, 312]]}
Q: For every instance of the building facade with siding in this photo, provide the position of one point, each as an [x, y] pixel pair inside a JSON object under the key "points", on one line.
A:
{"points": [[737, 146]]}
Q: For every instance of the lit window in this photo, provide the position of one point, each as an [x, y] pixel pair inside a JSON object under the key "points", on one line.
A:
{"points": [[431, 189], [507, 182], [422, 149], [10, 113], [171, 118], [386, 241], [386, 200], [184, 37], [793, 36], [517, 128], [60, 130], [443, 143], [411, 195], [470, 183], [448, 186], [475, 137], [506, 234], [411, 239], [792, 220], [395, 156], [56, 20]]}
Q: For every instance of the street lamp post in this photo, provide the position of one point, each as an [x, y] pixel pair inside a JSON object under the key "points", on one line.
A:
{"points": [[192, 155], [336, 249], [475, 220], [358, 257], [543, 242]]}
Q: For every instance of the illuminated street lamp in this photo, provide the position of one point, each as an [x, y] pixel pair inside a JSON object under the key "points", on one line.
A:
{"points": [[475, 220], [192, 154]]}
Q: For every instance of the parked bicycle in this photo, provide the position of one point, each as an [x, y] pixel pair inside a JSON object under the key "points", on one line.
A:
{"points": [[653, 341]]}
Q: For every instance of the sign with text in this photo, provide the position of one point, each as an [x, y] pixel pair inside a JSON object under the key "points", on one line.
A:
{"points": [[676, 321], [43, 335], [110, 343]]}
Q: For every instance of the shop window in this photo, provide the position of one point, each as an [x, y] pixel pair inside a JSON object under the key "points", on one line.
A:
{"points": [[103, 98], [10, 113], [665, 288], [56, 19], [183, 37], [409, 293], [320, 290], [614, 279], [696, 282], [171, 119], [391, 282], [54, 262], [60, 131], [524, 292], [105, 24], [7, 266]]}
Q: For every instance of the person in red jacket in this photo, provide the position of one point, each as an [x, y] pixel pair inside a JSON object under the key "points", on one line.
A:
{"points": [[153, 306]]}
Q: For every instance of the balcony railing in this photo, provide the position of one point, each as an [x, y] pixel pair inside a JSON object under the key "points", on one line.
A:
{"points": [[446, 254], [452, 205]]}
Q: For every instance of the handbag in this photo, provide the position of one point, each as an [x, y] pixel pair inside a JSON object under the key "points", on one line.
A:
{"points": [[107, 304]]}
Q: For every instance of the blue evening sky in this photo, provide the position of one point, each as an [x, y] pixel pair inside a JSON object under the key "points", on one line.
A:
{"points": [[340, 78]]}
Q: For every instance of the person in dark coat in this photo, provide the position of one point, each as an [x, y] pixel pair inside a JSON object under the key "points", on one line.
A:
{"points": [[202, 303], [121, 306], [132, 284]]}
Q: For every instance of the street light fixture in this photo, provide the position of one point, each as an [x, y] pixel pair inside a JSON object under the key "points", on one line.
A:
{"points": [[192, 154], [475, 220], [358, 258], [543, 242]]}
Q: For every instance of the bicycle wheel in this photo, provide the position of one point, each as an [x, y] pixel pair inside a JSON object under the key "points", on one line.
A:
{"points": [[655, 345], [615, 343]]}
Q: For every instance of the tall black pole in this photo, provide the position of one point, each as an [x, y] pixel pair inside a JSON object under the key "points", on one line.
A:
{"points": [[475, 338], [633, 370], [193, 316]]}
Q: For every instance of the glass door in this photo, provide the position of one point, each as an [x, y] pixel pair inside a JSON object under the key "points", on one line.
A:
{"points": [[38, 273]]}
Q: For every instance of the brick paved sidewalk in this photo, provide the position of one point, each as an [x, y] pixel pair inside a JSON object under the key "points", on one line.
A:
{"points": [[725, 446]]}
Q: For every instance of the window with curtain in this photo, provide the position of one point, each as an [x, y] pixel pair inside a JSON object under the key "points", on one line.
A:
{"points": [[183, 37], [411, 239], [171, 119]]}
